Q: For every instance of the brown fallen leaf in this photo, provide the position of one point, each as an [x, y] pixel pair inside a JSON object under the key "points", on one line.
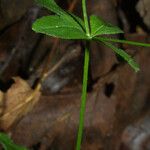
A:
{"points": [[1, 101], [116, 100], [18, 100]]}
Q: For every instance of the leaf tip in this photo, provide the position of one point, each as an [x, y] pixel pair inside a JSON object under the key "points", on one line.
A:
{"points": [[137, 70], [134, 65], [34, 26]]}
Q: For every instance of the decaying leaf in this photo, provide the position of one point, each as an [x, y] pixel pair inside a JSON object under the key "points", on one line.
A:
{"points": [[115, 100], [1, 101], [18, 100]]}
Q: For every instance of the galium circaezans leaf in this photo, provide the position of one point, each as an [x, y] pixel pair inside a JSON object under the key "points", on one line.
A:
{"points": [[58, 26], [52, 6], [100, 27], [124, 55]]}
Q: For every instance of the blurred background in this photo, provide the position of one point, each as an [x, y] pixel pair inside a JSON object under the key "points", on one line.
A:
{"points": [[41, 80]]}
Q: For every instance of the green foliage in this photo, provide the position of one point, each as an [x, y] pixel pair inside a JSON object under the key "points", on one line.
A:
{"points": [[100, 27], [58, 26], [8, 144], [51, 5], [124, 55], [65, 25]]}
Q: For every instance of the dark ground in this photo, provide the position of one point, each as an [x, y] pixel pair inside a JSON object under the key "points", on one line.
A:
{"points": [[118, 105]]}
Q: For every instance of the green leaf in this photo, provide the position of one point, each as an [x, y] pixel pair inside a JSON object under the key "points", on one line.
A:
{"points": [[51, 5], [123, 41], [99, 27], [124, 55], [58, 26], [8, 144]]}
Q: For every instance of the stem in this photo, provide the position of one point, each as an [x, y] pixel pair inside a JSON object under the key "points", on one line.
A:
{"points": [[83, 99], [85, 79], [86, 22], [122, 41]]}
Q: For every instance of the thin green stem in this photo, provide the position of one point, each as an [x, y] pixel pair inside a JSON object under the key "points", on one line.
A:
{"points": [[121, 41], [83, 99], [85, 79], [86, 22]]}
